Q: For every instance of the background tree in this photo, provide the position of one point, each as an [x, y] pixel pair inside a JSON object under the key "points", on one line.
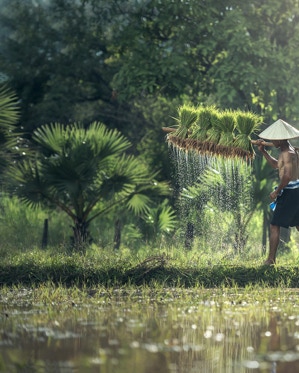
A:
{"points": [[9, 115], [56, 55], [76, 169], [223, 186], [228, 52], [94, 58], [127, 64]]}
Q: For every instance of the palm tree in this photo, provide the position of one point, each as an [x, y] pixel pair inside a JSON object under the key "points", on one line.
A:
{"points": [[78, 170], [227, 185], [8, 118], [155, 225], [238, 189]]}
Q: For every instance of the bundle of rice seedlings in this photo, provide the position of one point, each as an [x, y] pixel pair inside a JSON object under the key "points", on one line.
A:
{"points": [[214, 133], [187, 116], [228, 124], [206, 116], [248, 124]]}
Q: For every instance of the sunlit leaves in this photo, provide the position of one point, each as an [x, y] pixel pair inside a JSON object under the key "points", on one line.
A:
{"points": [[77, 168]]}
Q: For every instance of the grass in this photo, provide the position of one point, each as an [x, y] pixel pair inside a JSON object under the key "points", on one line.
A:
{"points": [[172, 268]]}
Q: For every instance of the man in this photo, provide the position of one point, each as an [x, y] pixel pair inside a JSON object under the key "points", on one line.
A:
{"points": [[286, 194]]}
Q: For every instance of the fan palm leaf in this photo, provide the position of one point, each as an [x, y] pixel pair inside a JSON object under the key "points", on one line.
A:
{"points": [[77, 168], [159, 220], [9, 112], [9, 115]]}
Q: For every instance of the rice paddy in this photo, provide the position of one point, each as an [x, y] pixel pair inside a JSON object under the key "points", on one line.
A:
{"points": [[51, 328]]}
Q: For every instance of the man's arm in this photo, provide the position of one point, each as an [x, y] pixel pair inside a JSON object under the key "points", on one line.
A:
{"points": [[271, 160]]}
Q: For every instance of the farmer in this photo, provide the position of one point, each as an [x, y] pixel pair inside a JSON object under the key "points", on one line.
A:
{"points": [[285, 197]]}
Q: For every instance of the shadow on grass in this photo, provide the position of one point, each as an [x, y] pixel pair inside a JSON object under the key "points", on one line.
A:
{"points": [[155, 269]]}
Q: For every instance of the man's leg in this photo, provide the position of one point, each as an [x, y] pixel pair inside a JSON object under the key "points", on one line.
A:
{"points": [[274, 241]]}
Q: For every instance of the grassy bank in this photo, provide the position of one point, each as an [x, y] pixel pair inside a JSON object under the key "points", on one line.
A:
{"points": [[110, 269]]}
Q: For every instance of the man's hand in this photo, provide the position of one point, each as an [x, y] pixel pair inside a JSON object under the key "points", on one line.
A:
{"points": [[261, 147], [273, 195]]}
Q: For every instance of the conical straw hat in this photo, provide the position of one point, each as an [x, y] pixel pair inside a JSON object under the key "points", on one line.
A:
{"points": [[279, 130]]}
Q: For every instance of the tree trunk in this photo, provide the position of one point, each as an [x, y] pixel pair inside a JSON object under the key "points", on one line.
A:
{"points": [[189, 235], [45, 234], [81, 236], [117, 234]]}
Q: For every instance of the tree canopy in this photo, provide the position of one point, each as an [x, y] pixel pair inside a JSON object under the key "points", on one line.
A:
{"points": [[86, 60], [79, 170], [131, 63]]}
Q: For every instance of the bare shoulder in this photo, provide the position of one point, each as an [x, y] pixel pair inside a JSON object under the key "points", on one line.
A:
{"points": [[288, 155]]}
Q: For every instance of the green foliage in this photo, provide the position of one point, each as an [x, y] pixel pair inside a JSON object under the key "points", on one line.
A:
{"points": [[128, 50], [159, 221], [226, 189], [9, 115], [21, 228], [123, 62], [56, 56], [152, 148], [77, 168], [187, 116]]}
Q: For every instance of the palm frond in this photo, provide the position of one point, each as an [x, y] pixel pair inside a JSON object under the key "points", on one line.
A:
{"points": [[159, 220], [28, 184], [9, 111], [167, 219], [139, 203], [52, 137], [106, 142]]}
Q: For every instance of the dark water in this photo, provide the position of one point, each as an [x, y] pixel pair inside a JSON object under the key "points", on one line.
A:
{"points": [[163, 331]]}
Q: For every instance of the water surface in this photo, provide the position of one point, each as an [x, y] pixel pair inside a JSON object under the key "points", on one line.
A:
{"points": [[150, 331]]}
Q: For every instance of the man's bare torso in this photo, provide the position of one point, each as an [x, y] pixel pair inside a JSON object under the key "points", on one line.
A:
{"points": [[290, 159]]}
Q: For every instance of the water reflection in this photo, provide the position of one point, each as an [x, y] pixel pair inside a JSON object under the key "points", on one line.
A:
{"points": [[174, 332]]}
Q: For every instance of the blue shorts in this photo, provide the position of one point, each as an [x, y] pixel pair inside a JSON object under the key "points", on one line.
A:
{"points": [[286, 213]]}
